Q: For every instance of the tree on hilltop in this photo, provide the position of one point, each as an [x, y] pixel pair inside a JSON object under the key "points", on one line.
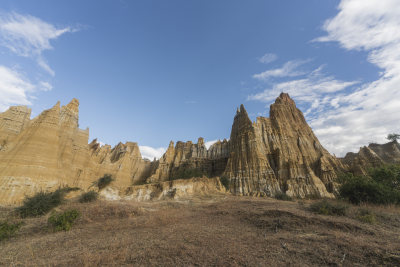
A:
{"points": [[393, 137]]}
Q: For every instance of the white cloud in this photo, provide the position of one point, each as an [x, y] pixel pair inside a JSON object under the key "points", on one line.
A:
{"points": [[343, 116], [316, 88], [45, 86], [268, 58], [208, 144], [371, 111], [289, 69], [14, 88], [29, 36], [151, 152]]}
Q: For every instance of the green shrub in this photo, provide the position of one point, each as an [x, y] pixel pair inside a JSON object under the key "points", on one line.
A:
{"points": [[283, 196], [104, 181], [41, 203], [366, 216], [63, 221], [328, 208], [8, 230], [358, 189], [187, 174], [88, 196], [388, 175], [225, 182]]}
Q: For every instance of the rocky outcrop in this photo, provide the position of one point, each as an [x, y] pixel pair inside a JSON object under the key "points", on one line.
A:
{"points": [[12, 122], [372, 156], [170, 189], [279, 154], [51, 151], [187, 158], [262, 158]]}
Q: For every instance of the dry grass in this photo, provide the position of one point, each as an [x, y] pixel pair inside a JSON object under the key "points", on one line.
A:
{"points": [[220, 231]]}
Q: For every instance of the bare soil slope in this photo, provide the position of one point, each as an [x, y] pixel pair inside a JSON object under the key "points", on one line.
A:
{"points": [[215, 231]]}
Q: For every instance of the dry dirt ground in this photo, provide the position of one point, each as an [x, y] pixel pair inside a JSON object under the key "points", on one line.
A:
{"points": [[207, 231]]}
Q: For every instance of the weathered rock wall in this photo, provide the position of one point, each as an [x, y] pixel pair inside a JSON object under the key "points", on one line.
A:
{"points": [[187, 157], [279, 154], [51, 151]]}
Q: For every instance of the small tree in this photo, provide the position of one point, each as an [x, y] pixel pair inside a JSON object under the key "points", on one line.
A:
{"points": [[393, 137]]}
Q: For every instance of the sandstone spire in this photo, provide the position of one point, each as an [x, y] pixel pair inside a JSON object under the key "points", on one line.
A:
{"points": [[279, 154]]}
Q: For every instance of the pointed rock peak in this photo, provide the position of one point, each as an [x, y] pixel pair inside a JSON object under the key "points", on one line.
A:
{"points": [[242, 115], [57, 105], [171, 144], [285, 99], [73, 105], [200, 141]]}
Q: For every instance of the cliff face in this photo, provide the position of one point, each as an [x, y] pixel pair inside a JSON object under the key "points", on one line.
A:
{"points": [[265, 157], [372, 156], [279, 154], [51, 151], [186, 158], [12, 122]]}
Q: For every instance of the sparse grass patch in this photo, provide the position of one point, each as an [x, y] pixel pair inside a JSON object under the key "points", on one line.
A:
{"points": [[8, 230], [63, 221], [88, 196], [225, 182], [326, 207], [366, 216], [283, 196], [41, 203]]}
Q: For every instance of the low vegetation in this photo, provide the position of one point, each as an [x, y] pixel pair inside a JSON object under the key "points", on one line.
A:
{"points": [[283, 196], [89, 196], [63, 221], [104, 181], [225, 182], [366, 216], [326, 207], [188, 173], [380, 186], [41, 203], [8, 229]]}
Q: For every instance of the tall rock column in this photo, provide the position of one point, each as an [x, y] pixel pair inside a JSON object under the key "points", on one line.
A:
{"points": [[279, 154]]}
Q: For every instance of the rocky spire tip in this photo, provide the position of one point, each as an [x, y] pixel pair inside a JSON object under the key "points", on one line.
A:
{"points": [[284, 98]]}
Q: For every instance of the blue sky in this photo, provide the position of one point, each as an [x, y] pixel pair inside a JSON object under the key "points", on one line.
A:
{"points": [[155, 71]]}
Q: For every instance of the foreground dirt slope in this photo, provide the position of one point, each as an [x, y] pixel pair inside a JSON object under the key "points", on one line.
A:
{"points": [[217, 231]]}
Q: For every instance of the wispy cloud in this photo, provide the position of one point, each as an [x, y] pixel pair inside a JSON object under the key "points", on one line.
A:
{"points": [[14, 88], [371, 111], [289, 69], [316, 88], [268, 58], [151, 152], [29, 36], [346, 115]]}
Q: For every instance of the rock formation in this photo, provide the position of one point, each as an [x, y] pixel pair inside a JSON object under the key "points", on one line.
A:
{"points": [[188, 157], [262, 158], [279, 154], [372, 156], [51, 151]]}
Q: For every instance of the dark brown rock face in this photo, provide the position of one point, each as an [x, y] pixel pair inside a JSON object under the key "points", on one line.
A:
{"points": [[279, 154]]}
